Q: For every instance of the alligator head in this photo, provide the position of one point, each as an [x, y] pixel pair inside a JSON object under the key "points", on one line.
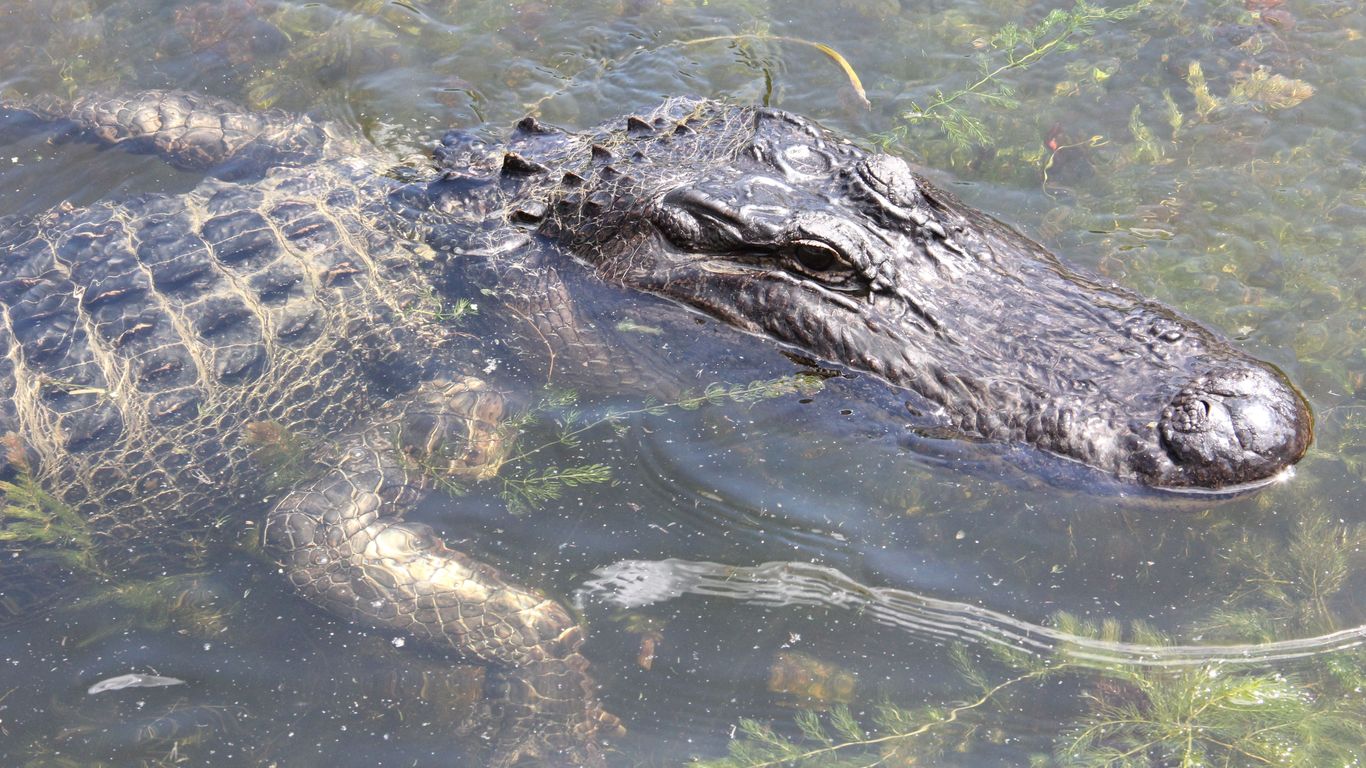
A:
{"points": [[780, 228]]}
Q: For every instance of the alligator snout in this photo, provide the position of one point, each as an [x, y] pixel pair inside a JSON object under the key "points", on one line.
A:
{"points": [[1234, 426]]}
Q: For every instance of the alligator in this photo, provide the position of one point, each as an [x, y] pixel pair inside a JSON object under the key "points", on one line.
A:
{"points": [[146, 341]]}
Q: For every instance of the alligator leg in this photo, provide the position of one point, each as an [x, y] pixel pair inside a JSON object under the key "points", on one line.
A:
{"points": [[189, 130], [345, 546]]}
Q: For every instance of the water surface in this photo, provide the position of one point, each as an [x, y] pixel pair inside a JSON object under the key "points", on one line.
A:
{"points": [[1231, 190]]}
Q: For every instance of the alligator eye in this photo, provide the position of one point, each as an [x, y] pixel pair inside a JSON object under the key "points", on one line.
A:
{"points": [[815, 256]]}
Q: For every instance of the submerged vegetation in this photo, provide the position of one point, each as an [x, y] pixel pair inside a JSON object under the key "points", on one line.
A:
{"points": [[556, 423], [36, 525], [39, 525], [1295, 583], [1012, 47], [183, 603], [284, 456], [1210, 714], [1169, 711]]}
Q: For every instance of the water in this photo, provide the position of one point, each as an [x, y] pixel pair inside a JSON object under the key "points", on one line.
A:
{"points": [[757, 561]]}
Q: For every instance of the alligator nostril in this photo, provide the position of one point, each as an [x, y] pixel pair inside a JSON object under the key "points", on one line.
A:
{"points": [[1189, 415], [1234, 426]]}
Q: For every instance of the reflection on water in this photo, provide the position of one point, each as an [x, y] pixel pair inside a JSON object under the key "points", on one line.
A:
{"points": [[1208, 154], [637, 583]]}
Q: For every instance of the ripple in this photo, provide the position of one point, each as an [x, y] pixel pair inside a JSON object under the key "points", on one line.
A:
{"points": [[637, 583]]}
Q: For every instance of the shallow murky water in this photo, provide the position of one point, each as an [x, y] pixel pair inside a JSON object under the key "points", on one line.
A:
{"points": [[764, 562]]}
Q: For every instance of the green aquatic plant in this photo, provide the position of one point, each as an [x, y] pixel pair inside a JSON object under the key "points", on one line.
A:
{"points": [[1011, 48], [1146, 147], [41, 526], [430, 306], [1211, 715], [182, 602], [749, 47], [1289, 588], [1348, 445], [1208, 714], [528, 489], [560, 424], [572, 423], [1205, 102], [1215, 713], [895, 735], [171, 735], [1268, 91], [831, 53], [534, 489], [1261, 90], [284, 456], [1175, 118], [1129, 715]]}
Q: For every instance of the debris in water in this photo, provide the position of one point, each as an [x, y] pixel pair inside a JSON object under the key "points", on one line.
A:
{"points": [[133, 681], [816, 683]]}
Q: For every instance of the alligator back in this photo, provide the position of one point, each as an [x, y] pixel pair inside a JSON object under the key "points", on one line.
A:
{"points": [[140, 340]]}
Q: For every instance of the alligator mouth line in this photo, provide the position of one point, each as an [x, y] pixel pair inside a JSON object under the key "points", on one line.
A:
{"points": [[733, 266], [1224, 492], [1156, 492]]}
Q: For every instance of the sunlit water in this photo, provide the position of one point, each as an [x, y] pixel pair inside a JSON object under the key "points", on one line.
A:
{"points": [[741, 547]]}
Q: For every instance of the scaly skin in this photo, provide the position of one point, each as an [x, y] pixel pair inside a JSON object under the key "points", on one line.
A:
{"points": [[141, 341], [191, 131], [139, 338]]}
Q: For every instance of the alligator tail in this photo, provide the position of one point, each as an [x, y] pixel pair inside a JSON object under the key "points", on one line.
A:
{"points": [[188, 130]]}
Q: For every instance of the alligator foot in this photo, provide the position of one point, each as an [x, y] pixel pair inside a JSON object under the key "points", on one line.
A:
{"points": [[345, 546]]}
